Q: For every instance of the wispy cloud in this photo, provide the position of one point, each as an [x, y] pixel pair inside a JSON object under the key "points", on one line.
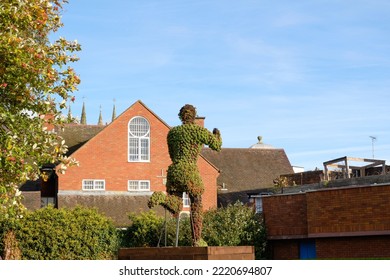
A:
{"points": [[294, 19], [268, 63]]}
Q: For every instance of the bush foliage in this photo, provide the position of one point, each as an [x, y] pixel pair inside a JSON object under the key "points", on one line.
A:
{"points": [[144, 230], [148, 230], [233, 225], [66, 234]]}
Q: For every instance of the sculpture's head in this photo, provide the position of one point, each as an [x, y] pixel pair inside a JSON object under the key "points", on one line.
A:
{"points": [[187, 114]]}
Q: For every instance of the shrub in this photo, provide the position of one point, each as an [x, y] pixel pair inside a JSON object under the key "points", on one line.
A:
{"points": [[79, 233], [148, 230], [185, 233], [144, 230], [235, 225]]}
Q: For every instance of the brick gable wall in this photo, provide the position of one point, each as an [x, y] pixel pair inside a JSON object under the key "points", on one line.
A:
{"points": [[105, 156]]}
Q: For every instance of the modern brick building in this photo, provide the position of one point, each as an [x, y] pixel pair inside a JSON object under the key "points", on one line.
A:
{"points": [[335, 223]]}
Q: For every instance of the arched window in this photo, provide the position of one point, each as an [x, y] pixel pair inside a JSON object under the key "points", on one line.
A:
{"points": [[139, 139]]}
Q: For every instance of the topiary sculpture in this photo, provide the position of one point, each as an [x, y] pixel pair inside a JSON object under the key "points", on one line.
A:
{"points": [[184, 145]]}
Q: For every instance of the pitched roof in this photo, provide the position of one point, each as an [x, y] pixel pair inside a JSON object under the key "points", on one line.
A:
{"points": [[76, 135], [248, 169]]}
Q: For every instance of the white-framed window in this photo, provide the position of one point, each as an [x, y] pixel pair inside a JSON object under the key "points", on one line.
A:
{"points": [[139, 140], [93, 185], [186, 200], [259, 204], [138, 186]]}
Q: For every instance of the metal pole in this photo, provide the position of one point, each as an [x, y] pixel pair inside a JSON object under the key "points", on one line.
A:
{"points": [[373, 138], [177, 230]]}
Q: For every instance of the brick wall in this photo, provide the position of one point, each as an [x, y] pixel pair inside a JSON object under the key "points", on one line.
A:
{"points": [[209, 176], [284, 249], [352, 210], [285, 216], [304, 178], [357, 247], [353, 247], [349, 222], [359, 208]]}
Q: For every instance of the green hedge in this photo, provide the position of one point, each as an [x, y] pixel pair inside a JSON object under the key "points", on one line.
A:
{"points": [[66, 234]]}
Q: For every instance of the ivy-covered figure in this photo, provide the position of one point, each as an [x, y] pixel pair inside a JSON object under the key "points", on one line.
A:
{"points": [[185, 143]]}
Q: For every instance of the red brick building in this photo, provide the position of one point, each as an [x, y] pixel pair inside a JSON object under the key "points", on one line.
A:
{"points": [[123, 164], [338, 223]]}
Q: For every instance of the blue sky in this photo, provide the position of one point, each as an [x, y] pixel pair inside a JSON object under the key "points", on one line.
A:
{"points": [[311, 77]]}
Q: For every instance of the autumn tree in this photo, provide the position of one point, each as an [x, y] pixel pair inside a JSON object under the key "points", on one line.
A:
{"points": [[36, 81]]}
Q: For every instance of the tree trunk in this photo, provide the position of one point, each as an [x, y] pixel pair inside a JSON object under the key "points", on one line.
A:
{"points": [[11, 247]]}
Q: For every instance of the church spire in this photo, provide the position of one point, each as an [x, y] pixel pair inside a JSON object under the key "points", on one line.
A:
{"points": [[113, 112], [100, 122], [83, 115], [70, 118]]}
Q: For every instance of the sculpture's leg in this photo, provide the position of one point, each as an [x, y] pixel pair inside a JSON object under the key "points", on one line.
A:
{"points": [[196, 219], [172, 203]]}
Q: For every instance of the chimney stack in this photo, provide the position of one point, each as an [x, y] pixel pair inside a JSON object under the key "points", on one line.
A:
{"points": [[199, 121]]}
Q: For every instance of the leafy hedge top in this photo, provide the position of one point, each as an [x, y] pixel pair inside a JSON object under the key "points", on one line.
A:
{"points": [[65, 234]]}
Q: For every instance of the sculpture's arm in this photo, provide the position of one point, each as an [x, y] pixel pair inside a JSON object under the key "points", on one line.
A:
{"points": [[213, 140]]}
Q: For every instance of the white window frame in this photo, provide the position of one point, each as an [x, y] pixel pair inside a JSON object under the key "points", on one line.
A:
{"points": [[138, 140], [93, 185], [258, 204], [186, 200], [138, 185]]}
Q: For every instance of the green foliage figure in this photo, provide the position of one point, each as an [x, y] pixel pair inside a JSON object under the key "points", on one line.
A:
{"points": [[184, 145]]}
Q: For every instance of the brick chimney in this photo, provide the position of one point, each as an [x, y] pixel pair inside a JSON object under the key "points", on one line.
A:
{"points": [[200, 121], [49, 118]]}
